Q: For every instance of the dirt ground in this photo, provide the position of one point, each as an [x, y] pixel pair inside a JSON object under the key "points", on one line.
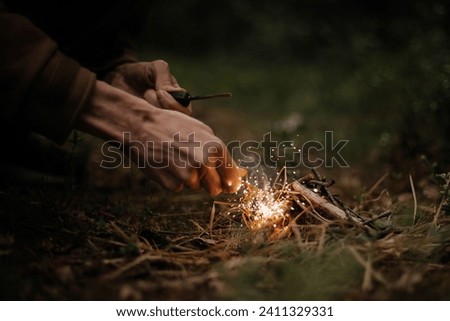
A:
{"points": [[115, 236]]}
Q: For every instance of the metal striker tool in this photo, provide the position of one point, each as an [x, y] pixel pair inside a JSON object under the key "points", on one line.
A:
{"points": [[184, 98]]}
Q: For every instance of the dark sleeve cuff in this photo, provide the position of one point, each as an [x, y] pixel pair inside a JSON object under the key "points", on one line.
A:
{"points": [[59, 92]]}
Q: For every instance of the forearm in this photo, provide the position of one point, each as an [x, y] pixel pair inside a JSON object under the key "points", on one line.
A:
{"points": [[110, 112]]}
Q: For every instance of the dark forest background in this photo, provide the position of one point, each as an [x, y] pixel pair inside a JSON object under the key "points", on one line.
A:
{"points": [[375, 72]]}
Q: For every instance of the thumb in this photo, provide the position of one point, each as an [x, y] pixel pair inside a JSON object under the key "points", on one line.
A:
{"points": [[151, 98], [162, 77], [168, 102]]}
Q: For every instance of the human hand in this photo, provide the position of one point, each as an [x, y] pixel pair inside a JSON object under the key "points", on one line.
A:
{"points": [[148, 80], [171, 148]]}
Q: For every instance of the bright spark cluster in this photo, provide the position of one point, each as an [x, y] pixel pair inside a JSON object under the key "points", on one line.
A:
{"points": [[263, 207]]}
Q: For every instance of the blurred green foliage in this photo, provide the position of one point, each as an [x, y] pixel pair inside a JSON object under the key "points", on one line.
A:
{"points": [[307, 276], [296, 29], [374, 72]]}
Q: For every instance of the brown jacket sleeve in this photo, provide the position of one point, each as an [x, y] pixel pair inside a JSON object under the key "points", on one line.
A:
{"points": [[41, 89]]}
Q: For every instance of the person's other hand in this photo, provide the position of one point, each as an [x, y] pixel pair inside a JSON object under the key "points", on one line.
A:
{"points": [[173, 149], [148, 80]]}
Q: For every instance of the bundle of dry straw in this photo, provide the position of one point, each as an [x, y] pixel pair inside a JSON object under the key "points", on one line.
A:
{"points": [[303, 207]]}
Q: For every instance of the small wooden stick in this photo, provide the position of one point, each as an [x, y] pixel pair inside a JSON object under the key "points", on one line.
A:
{"points": [[384, 214], [324, 189], [318, 201], [415, 199]]}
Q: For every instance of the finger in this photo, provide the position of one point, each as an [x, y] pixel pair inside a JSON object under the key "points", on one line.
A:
{"points": [[174, 82], [166, 179], [194, 180], [211, 180], [231, 177], [233, 182], [230, 173], [177, 188], [168, 102], [170, 183], [150, 97], [162, 77]]}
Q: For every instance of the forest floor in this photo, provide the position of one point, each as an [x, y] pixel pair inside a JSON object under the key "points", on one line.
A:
{"points": [[112, 235]]}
